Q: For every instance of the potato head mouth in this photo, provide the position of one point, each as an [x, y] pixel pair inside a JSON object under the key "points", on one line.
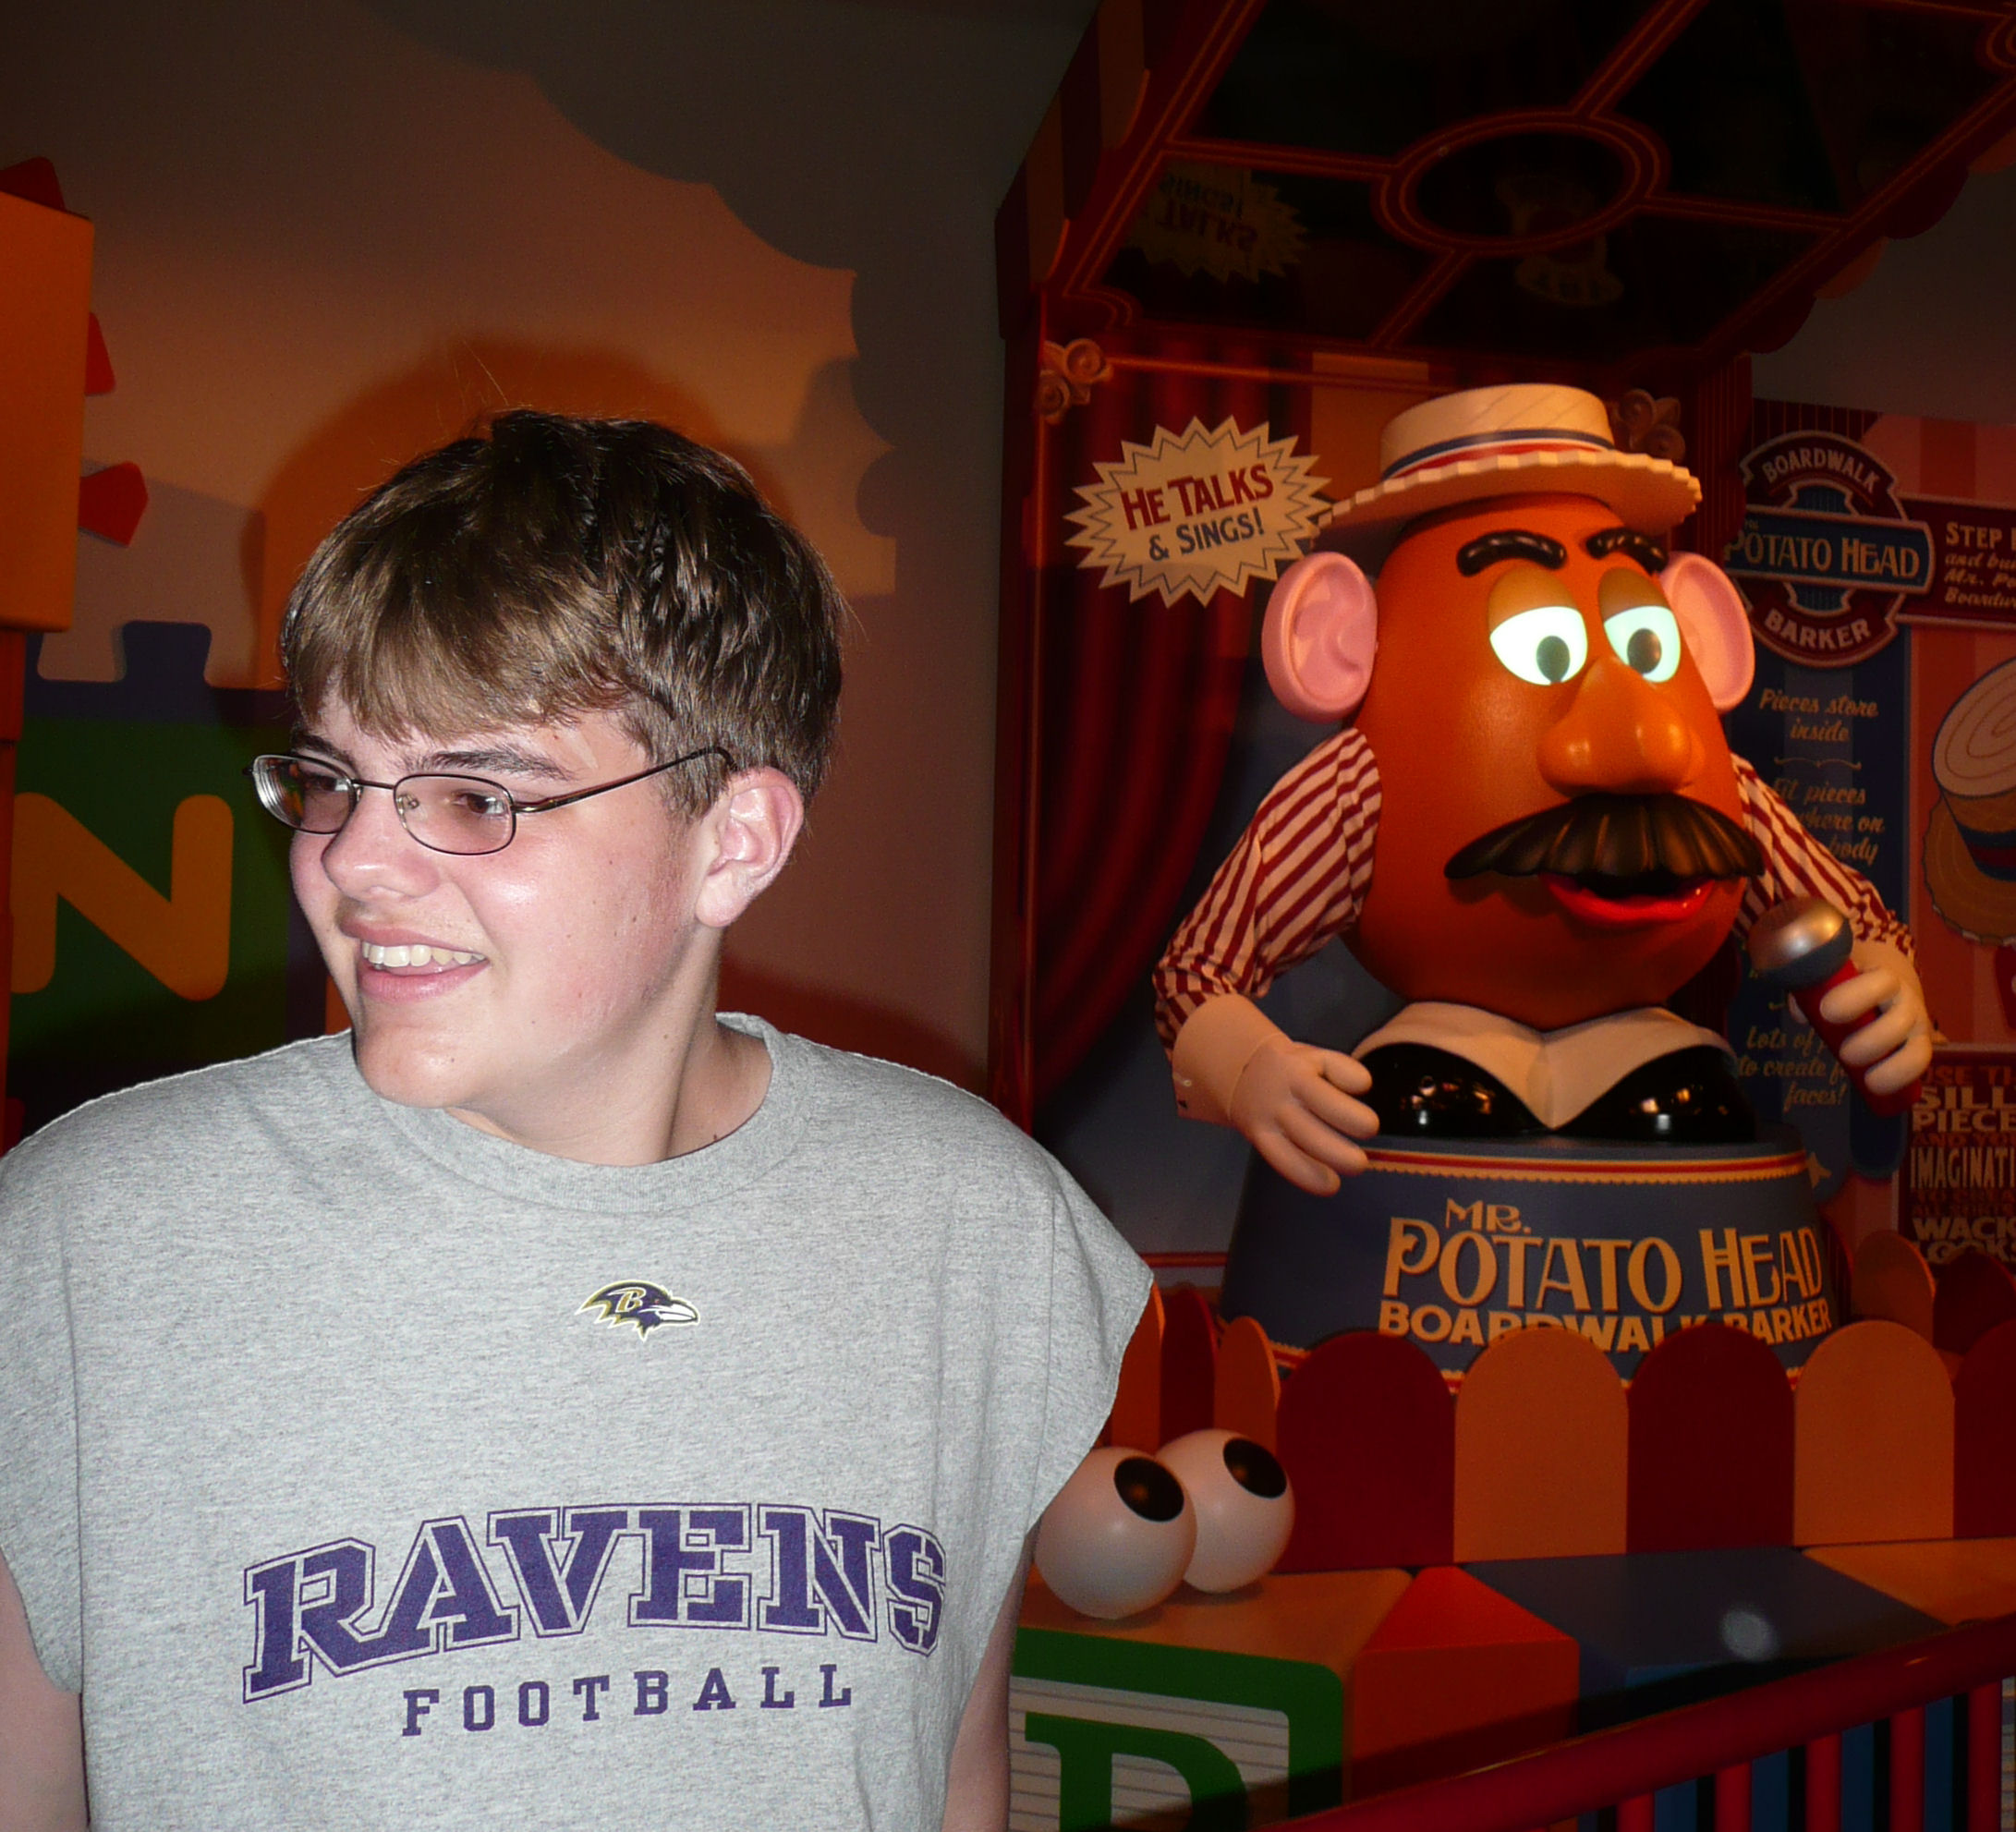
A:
{"points": [[1617, 861], [1633, 909]]}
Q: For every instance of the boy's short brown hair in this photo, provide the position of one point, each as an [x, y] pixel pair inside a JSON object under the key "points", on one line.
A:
{"points": [[559, 567]]}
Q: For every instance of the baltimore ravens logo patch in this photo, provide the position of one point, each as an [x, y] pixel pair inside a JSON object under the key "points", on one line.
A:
{"points": [[648, 1306]]}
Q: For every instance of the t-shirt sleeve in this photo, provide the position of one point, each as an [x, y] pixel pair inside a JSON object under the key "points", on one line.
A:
{"points": [[38, 1422], [1097, 1288]]}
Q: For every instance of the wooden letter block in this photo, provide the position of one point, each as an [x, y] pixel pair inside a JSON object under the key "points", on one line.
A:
{"points": [[1259, 1679], [1661, 1629], [1953, 1580], [1457, 1676]]}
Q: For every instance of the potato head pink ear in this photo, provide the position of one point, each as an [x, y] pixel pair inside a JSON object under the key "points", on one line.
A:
{"points": [[1319, 637], [1714, 624]]}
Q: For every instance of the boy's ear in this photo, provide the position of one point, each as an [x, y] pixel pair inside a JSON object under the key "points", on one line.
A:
{"points": [[749, 834]]}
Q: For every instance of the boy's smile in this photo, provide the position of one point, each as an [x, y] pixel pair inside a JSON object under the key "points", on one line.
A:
{"points": [[534, 992], [418, 958]]}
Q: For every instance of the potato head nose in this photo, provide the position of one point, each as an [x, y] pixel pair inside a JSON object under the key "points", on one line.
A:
{"points": [[1621, 734]]}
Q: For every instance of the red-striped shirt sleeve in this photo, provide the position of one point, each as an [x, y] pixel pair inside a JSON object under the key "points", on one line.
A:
{"points": [[1797, 864], [1297, 877]]}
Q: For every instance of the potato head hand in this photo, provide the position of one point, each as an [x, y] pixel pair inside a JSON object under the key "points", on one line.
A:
{"points": [[1895, 1046], [1294, 1102]]}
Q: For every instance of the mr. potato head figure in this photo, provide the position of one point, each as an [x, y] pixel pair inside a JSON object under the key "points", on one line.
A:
{"points": [[1531, 829]]}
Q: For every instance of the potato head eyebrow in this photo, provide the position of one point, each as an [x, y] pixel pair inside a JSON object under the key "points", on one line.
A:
{"points": [[1649, 552], [1509, 543]]}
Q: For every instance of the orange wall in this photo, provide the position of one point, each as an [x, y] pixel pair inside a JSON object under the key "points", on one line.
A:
{"points": [[328, 234]]}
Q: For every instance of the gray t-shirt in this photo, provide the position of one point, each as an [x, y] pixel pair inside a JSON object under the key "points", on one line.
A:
{"points": [[365, 1471]]}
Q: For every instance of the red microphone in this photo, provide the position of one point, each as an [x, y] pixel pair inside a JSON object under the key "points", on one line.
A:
{"points": [[1802, 947]]}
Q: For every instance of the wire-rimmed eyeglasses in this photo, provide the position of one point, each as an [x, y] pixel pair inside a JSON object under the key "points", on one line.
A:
{"points": [[445, 812]]}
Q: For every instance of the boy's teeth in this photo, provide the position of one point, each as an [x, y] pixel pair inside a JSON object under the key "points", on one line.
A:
{"points": [[415, 955]]}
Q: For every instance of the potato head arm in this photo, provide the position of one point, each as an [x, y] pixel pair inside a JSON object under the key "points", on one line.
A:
{"points": [[1233, 1065], [1896, 1047], [1296, 880]]}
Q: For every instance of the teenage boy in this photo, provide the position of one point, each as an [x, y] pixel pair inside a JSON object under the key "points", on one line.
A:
{"points": [[551, 1402]]}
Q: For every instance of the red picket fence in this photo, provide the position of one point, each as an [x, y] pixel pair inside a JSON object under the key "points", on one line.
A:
{"points": [[1626, 1766]]}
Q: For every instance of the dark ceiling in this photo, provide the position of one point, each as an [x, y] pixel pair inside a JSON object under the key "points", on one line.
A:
{"points": [[1568, 183]]}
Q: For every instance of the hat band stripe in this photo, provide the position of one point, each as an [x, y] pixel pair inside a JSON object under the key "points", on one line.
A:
{"points": [[1995, 854], [1535, 439]]}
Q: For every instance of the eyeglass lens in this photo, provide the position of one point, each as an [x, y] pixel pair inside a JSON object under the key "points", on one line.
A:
{"points": [[451, 814]]}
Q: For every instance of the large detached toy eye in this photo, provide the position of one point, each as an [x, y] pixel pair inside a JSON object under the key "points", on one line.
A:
{"points": [[1245, 1510], [1118, 1536], [1546, 645], [1647, 638]]}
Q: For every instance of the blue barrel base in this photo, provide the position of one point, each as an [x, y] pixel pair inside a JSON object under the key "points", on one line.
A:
{"points": [[1455, 1242]]}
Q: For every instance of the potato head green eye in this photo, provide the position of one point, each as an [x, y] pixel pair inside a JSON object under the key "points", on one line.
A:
{"points": [[1648, 638], [1547, 645]]}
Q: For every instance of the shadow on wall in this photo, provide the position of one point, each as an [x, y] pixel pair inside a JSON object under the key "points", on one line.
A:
{"points": [[353, 451], [878, 138]]}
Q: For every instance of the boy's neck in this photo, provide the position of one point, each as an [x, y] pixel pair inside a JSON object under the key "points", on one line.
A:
{"points": [[727, 1076], [708, 1083]]}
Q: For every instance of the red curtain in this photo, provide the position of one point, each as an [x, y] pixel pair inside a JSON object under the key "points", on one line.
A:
{"points": [[1136, 705]]}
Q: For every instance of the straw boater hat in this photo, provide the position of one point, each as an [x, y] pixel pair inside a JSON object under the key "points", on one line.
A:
{"points": [[1970, 850], [1502, 442]]}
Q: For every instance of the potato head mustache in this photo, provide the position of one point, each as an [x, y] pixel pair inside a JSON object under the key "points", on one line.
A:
{"points": [[1627, 843]]}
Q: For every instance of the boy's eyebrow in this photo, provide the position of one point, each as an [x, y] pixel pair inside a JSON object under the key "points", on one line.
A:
{"points": [[300, 740], [478, 760], [484, 760]]}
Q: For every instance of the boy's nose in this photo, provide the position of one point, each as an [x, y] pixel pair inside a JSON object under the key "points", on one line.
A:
{"points": [[371, 851]]}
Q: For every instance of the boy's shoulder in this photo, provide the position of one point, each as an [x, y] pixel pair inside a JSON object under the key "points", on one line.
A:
{"points": [[885, 1107], [148, 1130]]}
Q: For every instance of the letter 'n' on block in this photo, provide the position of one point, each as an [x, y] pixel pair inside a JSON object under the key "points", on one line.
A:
{"points": [[1367, 1436], [1711, 1444], [1984, 1438], [1873, 1444], [1541, 1451], [184, 939]]}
